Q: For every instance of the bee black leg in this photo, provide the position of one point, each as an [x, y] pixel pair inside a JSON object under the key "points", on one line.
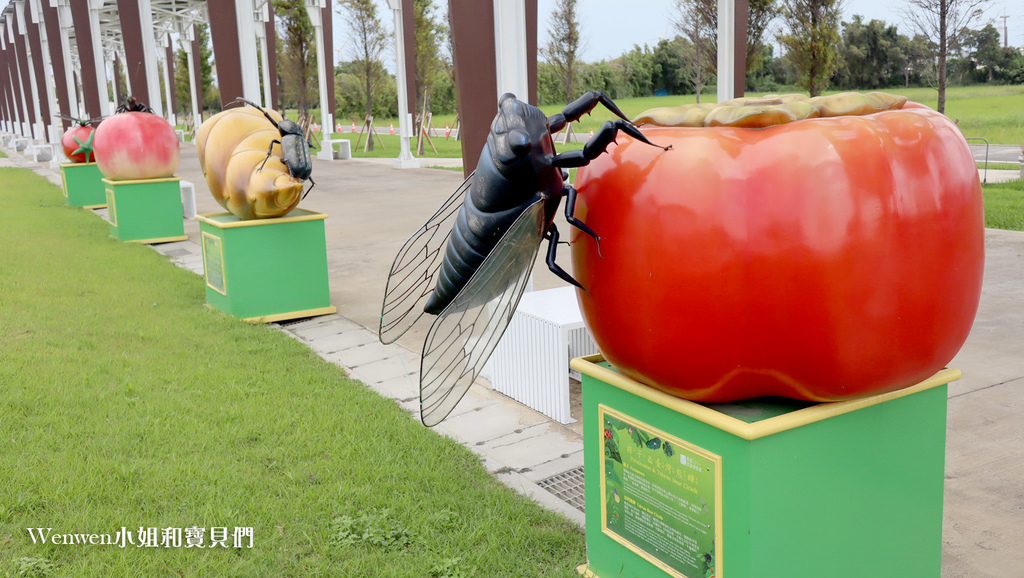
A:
{"points": [[599, 144], [570, 215], [270, 151], [552, 236]]}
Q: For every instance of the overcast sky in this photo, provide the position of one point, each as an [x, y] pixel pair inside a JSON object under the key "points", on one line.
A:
{"points": [[611, 27]]}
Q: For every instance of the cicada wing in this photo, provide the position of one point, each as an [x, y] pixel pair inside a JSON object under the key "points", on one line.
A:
{"points": [[414, 272], [465, 334]]}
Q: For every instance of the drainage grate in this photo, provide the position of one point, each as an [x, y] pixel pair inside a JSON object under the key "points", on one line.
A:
{"points": [[568, 486], [179, 252]]}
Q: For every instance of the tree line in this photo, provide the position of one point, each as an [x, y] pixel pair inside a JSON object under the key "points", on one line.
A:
{"points": [[819, 51]]}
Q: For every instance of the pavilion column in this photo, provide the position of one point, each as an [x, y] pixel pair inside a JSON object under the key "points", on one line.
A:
{"points": [[41, 69], [740, 47], [8, 84], [409, 41], [472, 30], [119, 88], [136, 17], [270, 58], [168, 70], [25, 71], [58, 25], [320, 15], [195, 74], [234, 46], [90, 56], [17, 91], [53, 61], [483, 62]]}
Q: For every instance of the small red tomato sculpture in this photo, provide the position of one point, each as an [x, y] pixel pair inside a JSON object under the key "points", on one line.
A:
{"points": [[135, 144], [823, 259], [77, 143]]}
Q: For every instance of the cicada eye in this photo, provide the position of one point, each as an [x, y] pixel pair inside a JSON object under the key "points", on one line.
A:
{"points": [[519, 142]]}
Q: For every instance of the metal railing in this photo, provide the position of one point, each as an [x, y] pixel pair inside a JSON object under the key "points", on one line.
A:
{"points": [[970, 138]]}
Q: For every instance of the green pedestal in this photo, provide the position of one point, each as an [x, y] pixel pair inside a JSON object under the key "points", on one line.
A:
{"points": [[145, 211], [83, 185], [268, 269], [769, 487]]}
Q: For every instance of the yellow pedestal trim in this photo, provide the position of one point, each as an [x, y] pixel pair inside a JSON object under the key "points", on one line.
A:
{"points": [[309, 216], [158, 240], [141, 181], [739, 428], [293, 315]]}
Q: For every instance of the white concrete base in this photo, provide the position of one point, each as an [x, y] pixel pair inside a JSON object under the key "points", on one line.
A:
{"points": [[413, 163], [327, 152], [188, 199]]}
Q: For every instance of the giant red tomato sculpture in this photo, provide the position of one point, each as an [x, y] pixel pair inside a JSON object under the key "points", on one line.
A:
{"points": [[822, 259], [77, 143], [135, 145]]}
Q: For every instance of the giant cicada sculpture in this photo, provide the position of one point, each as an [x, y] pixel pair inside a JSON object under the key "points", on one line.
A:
{"points": [[469, 264]]}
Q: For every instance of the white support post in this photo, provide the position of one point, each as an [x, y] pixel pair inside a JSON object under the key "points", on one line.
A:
{"points": [[64, 19], [726, 49], [246, 14], [39, 128], [314, 10], [510, 48], [23, 126], [168, 81], [261, 37], [53, 124], [197, 117], [97, 50], [405, 159], [149, 55]]}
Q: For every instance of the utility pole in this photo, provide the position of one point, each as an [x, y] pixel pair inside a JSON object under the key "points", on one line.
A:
{"points": [[1005, 35]]}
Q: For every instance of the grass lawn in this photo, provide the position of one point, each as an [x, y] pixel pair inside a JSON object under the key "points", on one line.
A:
{"points": [[128, 403], [1004, 205], [991, 112]]}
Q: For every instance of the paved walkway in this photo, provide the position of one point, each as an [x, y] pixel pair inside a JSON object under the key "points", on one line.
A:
{"points": [[373, 208]]}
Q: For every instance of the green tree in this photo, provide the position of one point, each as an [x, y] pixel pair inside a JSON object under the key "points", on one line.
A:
{"points": [[940, 21], [182, 79], [369, 40], [872, 55], [638, 70], [296, 55], [697, 21], [812, 39], [564, 46]]}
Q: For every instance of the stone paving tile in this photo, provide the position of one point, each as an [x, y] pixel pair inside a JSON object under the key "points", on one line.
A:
{"points": [[325, 330], [339, 342], [384, 369], [362, 354], [489, 422], [559, 465], [399, 388], [531, 447]]}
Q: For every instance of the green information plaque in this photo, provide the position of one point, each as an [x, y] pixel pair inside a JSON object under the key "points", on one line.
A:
{"points": [[660, 496], [213, 261]]}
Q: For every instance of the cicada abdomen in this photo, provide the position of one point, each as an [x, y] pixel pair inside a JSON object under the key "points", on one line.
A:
{"points": [[243, 165]]}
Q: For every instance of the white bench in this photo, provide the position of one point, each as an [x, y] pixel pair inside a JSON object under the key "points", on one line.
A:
{"points": [[41, 152], [20, 144], [531, 362], [327, 152], [188, 199]]}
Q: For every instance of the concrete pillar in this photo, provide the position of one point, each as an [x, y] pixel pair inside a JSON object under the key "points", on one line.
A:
{"points": [[405, 159], [168, 71], [58, 27], [39, 59], [53, 61], [28, 90], [90, 56], [510, 47], [732, 48], [195, 74], [232, 51], [7, 79], [314, 8], [140, 60], [271, 55], [739, 84]]}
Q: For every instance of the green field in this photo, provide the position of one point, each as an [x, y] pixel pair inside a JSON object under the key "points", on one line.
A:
{"points": [[126, 403], [1004, 205], [993, 112]]}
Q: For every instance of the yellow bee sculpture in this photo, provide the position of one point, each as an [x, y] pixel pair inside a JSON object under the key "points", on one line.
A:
{"points": [[240, 154]]}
